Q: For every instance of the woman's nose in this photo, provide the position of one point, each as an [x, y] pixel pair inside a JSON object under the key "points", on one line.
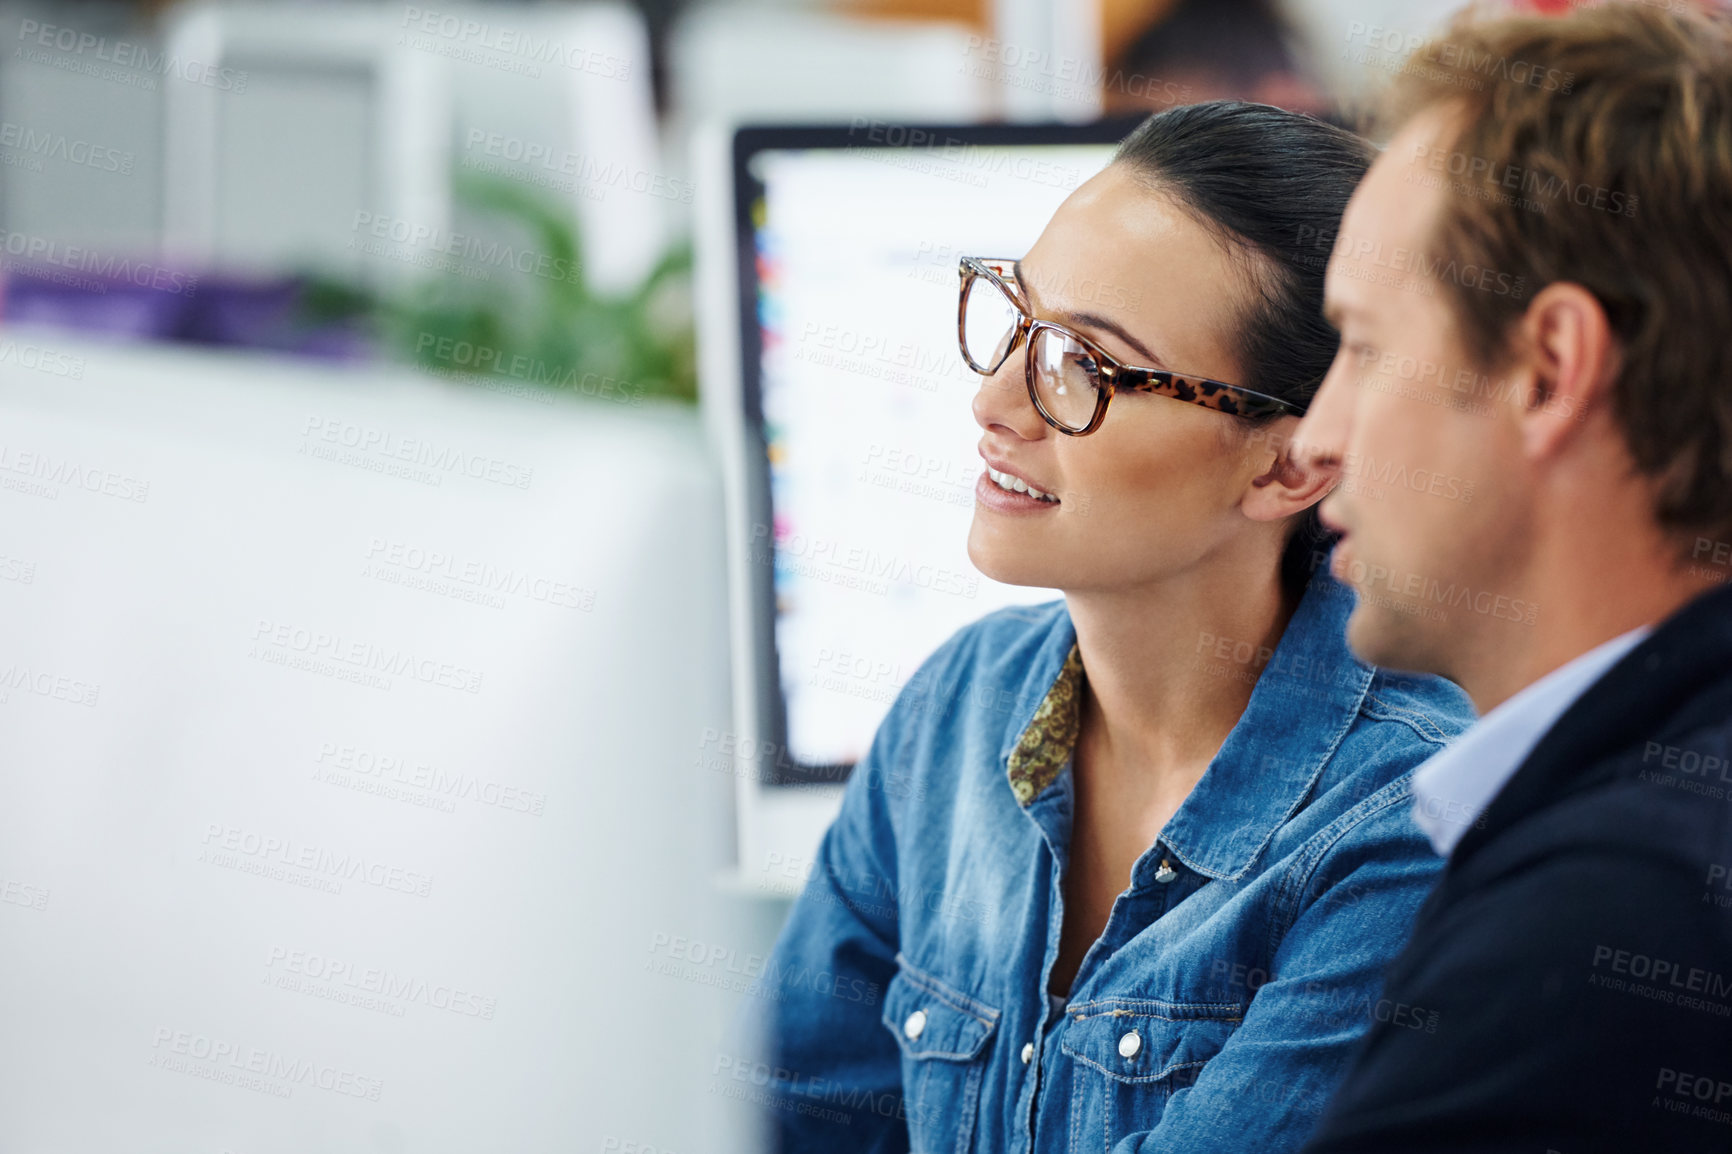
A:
{"points": [[1002, 400]]}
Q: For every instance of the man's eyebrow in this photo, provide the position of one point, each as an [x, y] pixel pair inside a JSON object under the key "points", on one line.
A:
{"points": [[1091, 320]]}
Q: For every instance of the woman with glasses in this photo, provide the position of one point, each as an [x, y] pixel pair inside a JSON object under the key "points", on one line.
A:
{"points": [[1121, 872]]}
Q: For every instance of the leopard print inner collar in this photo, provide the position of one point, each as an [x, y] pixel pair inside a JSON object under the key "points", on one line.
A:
{"points": [[1045, 746]]}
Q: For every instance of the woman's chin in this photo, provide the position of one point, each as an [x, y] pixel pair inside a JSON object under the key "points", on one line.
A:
{"points": [[997, 562]]}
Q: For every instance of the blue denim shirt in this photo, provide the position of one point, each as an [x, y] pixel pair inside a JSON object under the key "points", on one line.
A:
{"points": [[1217, 1010]]}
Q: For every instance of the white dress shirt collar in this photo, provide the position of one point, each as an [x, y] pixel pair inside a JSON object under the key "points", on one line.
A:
{"points": [[1452, 789]]}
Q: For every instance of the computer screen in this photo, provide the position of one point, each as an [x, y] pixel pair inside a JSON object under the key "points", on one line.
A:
{"points": [[853, 384]]}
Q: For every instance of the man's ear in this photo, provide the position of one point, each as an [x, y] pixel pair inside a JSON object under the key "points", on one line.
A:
{"points": [[1287, 484], [1570, 357]]}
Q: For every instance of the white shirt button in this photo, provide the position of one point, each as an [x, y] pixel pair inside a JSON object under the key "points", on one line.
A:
{"points": [[1027, 1053], [1166, 873], [1130, 1044], [915, 1025]]}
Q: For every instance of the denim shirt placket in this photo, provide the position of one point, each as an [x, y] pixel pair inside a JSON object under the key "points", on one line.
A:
{"points": [[1052, 810]]}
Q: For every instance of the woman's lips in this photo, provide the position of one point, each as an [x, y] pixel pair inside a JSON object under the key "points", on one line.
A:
{"points": [[988, 493]]}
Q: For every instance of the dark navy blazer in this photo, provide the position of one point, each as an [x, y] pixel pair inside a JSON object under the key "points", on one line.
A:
{"points": [[1577, 951]]}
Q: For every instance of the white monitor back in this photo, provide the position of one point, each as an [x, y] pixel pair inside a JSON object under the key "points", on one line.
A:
{"points": [[349, 723], [330, 136]]}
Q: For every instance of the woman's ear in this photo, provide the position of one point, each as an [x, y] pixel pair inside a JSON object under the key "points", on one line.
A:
{"points": [[1285, 483]]}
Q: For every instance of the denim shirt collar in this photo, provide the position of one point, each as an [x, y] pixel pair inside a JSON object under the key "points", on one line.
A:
{"points": [[1304, 701]]}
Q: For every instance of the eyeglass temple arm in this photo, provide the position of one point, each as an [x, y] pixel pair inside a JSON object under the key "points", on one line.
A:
{"points": [[1234, 399]]}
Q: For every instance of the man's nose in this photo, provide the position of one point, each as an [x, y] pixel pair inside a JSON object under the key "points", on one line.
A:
{"points": [[1320, 439]]}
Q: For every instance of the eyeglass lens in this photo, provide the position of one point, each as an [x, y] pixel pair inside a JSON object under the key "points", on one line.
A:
{"points": [[988, 323], [1066, 378], [1066, 374]]}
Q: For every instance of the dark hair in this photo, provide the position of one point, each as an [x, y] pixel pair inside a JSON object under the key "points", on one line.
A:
{"points": [[1238, 41], [1271, 183]]}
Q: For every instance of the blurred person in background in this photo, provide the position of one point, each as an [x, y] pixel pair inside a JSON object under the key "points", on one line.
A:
{"points": [[1123, 870], [1212, 50], [1533, 288]]}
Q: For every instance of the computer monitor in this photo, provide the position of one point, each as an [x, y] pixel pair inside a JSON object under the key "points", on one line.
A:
{"points": [[847, 434]]}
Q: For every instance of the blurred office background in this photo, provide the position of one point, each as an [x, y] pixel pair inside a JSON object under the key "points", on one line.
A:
{"points": [[373, 775]]}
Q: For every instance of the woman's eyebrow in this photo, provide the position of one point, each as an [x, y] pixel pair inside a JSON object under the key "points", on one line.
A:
{"points": [[1091, 320], [1105, 324]]}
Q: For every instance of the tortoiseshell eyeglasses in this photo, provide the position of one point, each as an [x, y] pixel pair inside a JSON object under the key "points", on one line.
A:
{"points": [[1071, 379]]}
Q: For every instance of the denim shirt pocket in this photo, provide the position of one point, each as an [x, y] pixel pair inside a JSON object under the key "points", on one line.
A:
{"points": [[1129, 1056], [943, 1034]]}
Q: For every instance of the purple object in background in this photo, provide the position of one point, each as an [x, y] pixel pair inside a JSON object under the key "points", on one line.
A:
{"points": [[196, 309]]}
